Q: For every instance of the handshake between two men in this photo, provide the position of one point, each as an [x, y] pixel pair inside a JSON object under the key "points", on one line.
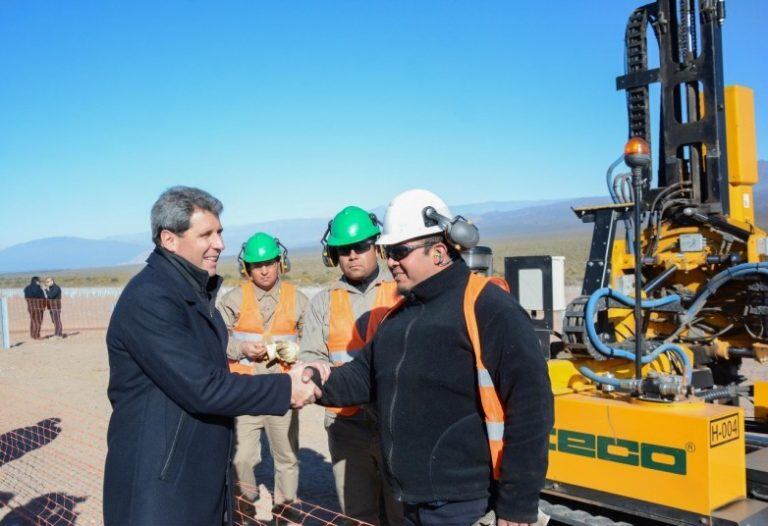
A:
{"points": [[306, 380], [304, 390]]}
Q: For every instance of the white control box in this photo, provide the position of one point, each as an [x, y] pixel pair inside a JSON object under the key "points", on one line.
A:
{"points": [[531, 293], [762, 246]]}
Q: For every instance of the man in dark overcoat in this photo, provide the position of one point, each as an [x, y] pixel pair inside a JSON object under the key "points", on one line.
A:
{"points": [[35, 297], [53, 294], [173, 397]]}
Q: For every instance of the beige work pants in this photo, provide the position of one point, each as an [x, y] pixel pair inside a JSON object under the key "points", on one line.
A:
{"points": [[283, 437], [358, 471]]}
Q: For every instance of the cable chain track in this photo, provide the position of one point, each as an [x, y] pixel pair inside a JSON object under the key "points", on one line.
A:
{"points": [[566, 515], [575, 335], [636, 42]]}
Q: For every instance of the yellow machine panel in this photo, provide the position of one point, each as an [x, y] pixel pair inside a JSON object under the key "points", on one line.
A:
{"points": [[742, 151], [685, 455], [761, 401]]}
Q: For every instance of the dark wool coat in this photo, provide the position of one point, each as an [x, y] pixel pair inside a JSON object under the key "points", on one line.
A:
{"points": [[34, 291], [173, 399]]}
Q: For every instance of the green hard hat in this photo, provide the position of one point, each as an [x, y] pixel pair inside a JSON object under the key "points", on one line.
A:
{"points": [[351, 225], [260, 247]]}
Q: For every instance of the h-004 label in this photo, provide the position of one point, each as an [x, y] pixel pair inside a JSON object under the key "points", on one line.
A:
{"points": [[723, 430], [619, 450]]}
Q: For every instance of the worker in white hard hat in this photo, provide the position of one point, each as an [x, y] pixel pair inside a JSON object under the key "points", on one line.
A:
{"points": [[456, 376]]}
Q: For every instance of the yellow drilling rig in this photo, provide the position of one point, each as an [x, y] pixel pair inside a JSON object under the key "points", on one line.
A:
{"points": [[650, 404]]}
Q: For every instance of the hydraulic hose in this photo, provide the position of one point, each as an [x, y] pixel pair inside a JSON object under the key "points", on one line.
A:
{"points": [[612, 352], [720, 279], [617, 196], [628, 383], [609, 177], [648, 358], [589, 314], [719, 393], [710, 288]]}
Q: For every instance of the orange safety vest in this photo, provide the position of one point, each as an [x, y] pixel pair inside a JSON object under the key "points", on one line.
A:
{"points": [[344, 341], [493, 411], [499, 282], [489, 397], [250, 325]]}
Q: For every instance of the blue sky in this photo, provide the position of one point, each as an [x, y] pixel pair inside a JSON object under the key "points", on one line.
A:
{"points": [[296, 109]]}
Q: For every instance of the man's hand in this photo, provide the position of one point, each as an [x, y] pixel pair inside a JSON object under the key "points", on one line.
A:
{"points": [[324, 368], [303, 392], [254, 351]]}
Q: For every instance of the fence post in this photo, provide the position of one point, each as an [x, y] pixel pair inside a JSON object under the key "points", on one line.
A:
{"points": [[5, 330]]}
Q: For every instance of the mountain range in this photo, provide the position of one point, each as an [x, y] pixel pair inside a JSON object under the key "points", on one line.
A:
{"points": [[495, 219]]}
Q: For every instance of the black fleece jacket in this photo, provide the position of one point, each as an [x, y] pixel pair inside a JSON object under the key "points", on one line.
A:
{"points": [[419, 373]]}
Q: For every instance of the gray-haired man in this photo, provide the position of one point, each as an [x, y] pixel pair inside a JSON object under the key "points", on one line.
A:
{"points": [[173, 397]]}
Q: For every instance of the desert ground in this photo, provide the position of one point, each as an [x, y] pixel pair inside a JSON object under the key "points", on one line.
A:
{"points": [[53, 421]]}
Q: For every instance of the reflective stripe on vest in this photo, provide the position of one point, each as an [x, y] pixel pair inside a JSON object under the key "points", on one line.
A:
{"points": [[344, 340], [340, 357], [250, 325], [285, 337], [493, 411], [246, 336]]}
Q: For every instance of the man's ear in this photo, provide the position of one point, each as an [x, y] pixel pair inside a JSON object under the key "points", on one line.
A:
{"points": [[440, 255], [169, 240], [442, 248]]}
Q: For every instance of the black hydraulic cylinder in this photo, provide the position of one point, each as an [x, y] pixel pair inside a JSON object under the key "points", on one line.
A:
{"points": [[741, 353], [637, 182], [658, 280]]}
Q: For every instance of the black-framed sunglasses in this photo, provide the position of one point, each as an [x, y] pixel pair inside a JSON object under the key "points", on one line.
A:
{"points": [[400, 252], [359, 247]]}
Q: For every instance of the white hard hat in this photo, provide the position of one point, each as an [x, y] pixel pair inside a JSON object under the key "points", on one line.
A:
{"points": [[404, 218]]}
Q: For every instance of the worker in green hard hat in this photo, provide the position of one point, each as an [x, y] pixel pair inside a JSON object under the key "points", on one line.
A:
{"points": [[263, 316], [339, 320]]}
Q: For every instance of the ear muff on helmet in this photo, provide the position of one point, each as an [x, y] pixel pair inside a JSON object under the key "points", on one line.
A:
{"points": [[330, 256], [241, 262], [459, 232], [285, 263]]}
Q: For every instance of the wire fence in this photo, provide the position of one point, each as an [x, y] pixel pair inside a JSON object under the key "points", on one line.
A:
{"points": [[52, 447], [73, 292], [80, 309], [47, 445], [263, 512], [41, 318]]}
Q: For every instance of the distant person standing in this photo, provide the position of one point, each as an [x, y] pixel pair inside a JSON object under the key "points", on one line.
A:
{"points": [[35, 297], [53, 293]]}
